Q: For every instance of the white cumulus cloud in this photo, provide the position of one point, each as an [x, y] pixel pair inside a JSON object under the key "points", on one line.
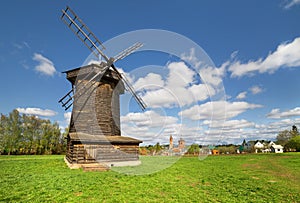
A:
{"points": [[210, 75], [149, 119], [229, 124], [291, 3], [277, 114], [150, 82], [286, 55], [178, 88], [67, 117], [241, 95], [219, 110], [37, 112], [45, 66], [191, 58], [149, 126], [255, 89]]}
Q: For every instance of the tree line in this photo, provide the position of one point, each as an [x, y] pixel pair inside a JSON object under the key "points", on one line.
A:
{"points": [[290, 139], [28, 134]]}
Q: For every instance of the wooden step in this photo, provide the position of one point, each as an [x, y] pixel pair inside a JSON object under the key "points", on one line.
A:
{"points": [[95, 167]]}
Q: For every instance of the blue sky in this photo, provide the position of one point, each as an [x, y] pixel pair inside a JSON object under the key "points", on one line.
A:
{"points": [[254, 45]]}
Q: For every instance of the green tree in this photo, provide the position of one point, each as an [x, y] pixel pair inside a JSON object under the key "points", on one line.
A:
{"points": [[231, 149], [294, 143], [283, 137], [194, 149], [3, 120], [13, 132], [151, 149], [28, 128], [57, 141], [46, 137], [294, 131], [66, 132], [28, 134], [157, 147], [36, 135]]}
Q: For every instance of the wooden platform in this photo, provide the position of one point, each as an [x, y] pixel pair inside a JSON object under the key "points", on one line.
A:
{"points": [[84, 148], [95, 167], [88, 167], [98, 166]]}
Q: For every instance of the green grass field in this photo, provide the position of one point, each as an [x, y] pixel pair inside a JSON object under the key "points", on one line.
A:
{"points": [[235, 178]]}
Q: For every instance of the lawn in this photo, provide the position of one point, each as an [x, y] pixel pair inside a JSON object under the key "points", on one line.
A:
{"points": [[225, 178]]}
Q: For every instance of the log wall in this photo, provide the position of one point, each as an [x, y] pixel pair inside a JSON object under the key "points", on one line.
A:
{"points": [[91, 153], [96, 106], [96, 111]]}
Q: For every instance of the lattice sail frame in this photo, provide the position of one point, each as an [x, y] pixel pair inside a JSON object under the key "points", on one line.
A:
{"points": [[70, 18]]}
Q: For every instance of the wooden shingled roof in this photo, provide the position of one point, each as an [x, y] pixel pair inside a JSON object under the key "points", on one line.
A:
{"points": [[84, 70], [83, 137]]}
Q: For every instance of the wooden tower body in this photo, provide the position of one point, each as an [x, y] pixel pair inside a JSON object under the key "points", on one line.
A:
{"points": [[94, 134], [96, 107]]}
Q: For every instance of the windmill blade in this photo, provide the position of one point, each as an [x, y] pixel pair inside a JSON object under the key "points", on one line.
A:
{"points": [[66, 101], [122, 55], [70, 18], [128, 51], [130, 88]]}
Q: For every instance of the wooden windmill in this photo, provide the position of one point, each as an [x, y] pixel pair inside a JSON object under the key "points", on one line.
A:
{"points": [[94, 134]]}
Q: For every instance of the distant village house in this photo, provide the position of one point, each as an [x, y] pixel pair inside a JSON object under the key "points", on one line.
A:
{"points": [[262, 146]]}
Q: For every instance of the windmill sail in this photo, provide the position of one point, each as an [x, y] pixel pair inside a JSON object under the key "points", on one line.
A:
{"points": [[130, 88], [70, 18], [128, 51], [66, 101], [83, 32]]}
